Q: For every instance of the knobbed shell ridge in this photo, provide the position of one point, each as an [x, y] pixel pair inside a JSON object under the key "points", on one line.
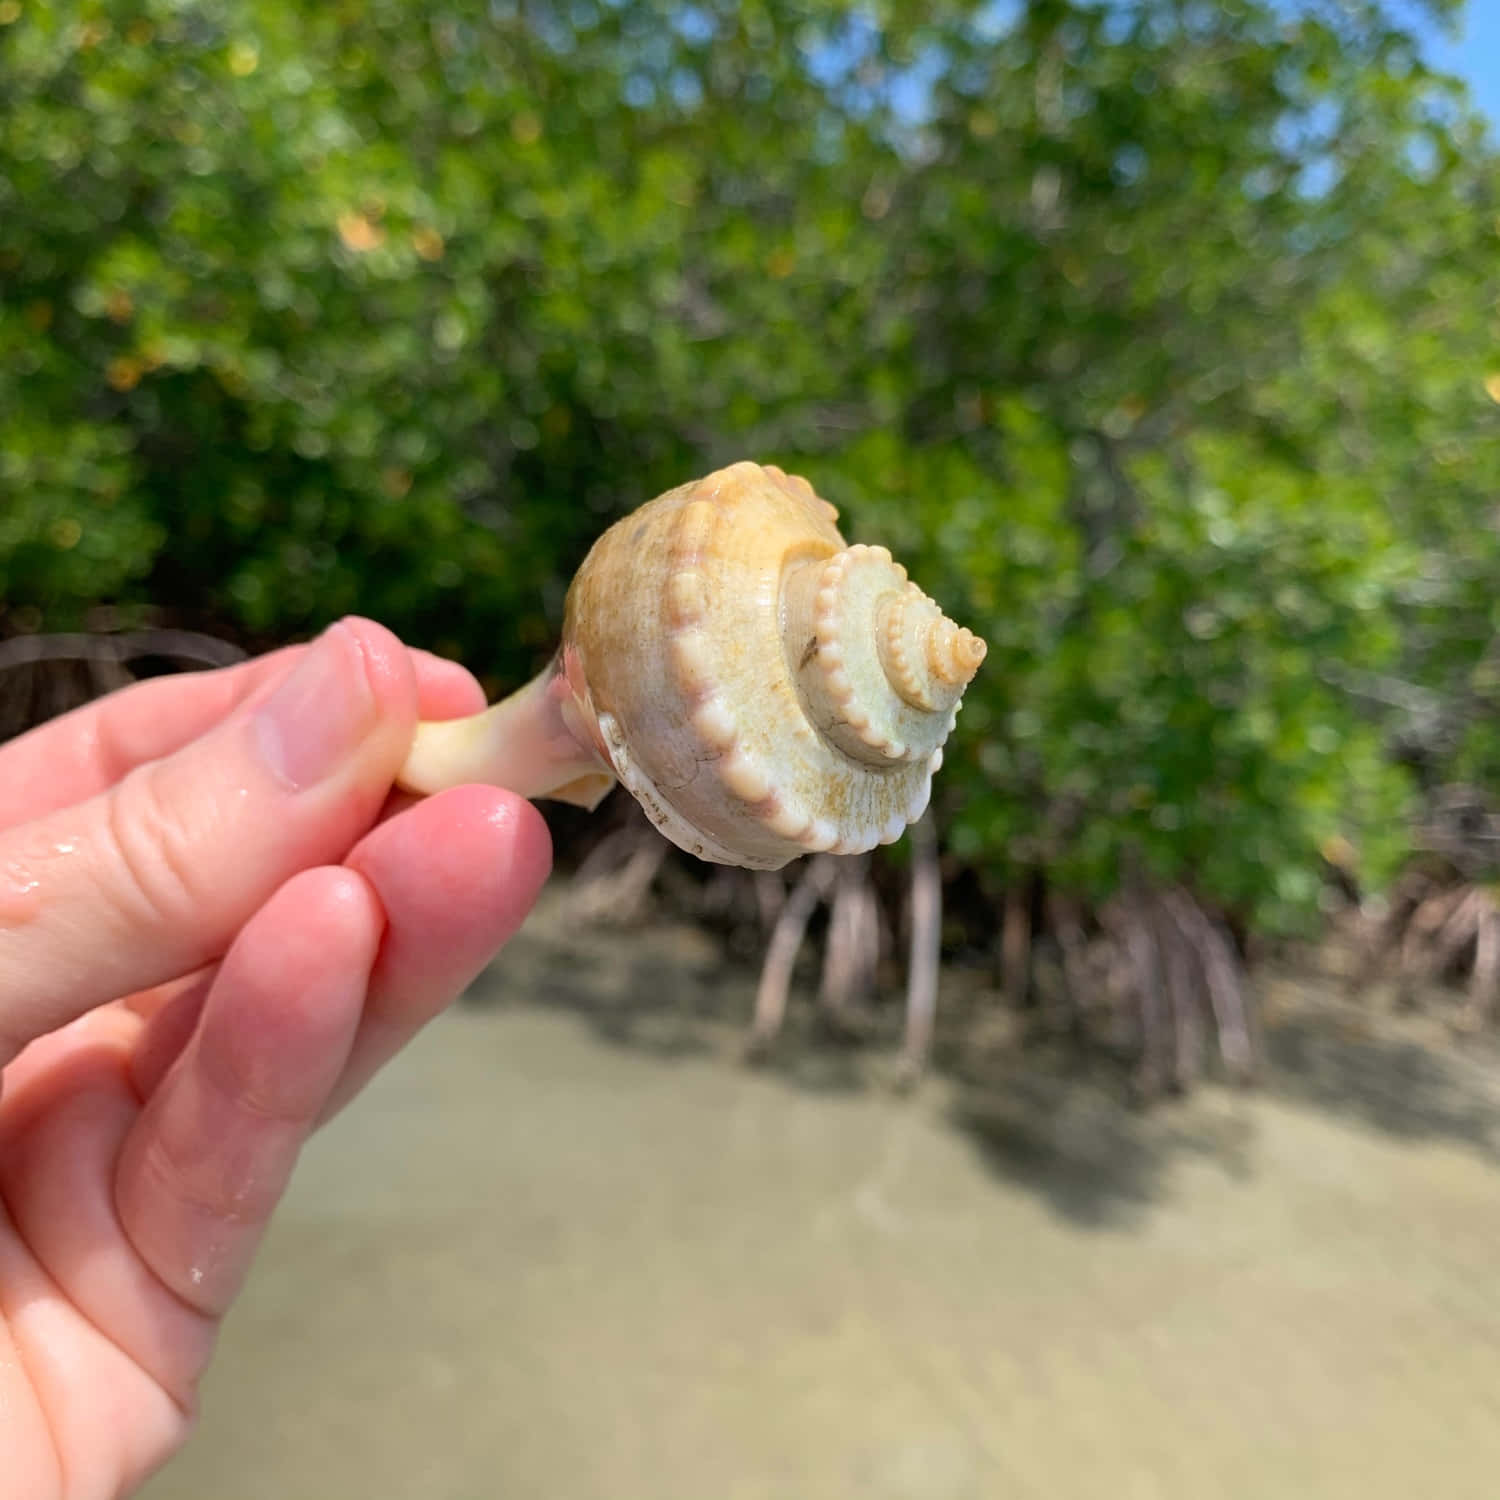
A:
{"points": [[776, 692], [762, 688]]}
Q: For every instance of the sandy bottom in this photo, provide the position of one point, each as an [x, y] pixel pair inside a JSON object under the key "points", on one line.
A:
{"points": [[569, 1249]]}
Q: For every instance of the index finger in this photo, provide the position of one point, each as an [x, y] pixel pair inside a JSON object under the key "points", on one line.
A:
{"points": [[80, 754]]}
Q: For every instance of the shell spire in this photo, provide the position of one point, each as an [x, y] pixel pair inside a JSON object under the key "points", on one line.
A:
{"points": [[762, 688], [928, 659], [884, 670]]}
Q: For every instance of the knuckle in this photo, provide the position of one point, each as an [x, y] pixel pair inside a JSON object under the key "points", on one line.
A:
{"points": [[205, 1185], [251, 1096], [156, 881]]}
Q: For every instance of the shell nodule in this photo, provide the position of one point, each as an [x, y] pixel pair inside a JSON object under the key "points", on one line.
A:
{"points": [[768, 690]]}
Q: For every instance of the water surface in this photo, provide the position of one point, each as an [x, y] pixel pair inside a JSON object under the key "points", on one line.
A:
{"points": [[574, 1251]]}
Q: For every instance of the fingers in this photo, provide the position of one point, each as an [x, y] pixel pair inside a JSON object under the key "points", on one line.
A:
{"points": [[97, 1329], [83, 753], [210, 1156], [456, 876], [169, 1025], [445, 689], [152, 878]]}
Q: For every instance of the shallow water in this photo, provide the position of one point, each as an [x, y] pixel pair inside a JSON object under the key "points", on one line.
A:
{"points": [[573, 1251]]}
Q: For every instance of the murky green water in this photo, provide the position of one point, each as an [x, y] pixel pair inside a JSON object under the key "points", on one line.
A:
{"points": [[570, 1254]]}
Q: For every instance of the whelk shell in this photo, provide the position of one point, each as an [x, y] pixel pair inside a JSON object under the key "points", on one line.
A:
{"points": [[762, 688]]}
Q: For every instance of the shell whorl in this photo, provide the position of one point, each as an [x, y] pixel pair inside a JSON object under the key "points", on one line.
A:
{"points": [[770, 691], [927, 658], [889, 669], [844, 635]]}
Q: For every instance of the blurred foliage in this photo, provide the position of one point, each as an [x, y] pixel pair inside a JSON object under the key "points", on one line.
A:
{"points": [[1159, 336]]}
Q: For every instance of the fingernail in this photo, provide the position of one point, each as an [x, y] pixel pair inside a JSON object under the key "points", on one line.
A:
{"points": [[311, 723]]}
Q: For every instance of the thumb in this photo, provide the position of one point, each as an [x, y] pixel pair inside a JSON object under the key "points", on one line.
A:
{"points": [[154, 877]]}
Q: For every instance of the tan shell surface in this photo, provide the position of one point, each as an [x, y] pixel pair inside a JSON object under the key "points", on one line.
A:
{"points": [[707, 628]]}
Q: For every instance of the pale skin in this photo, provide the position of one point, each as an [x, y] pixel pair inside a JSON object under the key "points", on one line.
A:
{"points": [[216, 924]]}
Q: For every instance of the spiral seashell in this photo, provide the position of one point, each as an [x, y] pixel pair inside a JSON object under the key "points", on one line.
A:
{"points": [[763, 689]]}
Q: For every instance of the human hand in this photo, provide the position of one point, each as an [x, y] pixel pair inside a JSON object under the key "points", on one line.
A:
{"points": [[215, 925]]}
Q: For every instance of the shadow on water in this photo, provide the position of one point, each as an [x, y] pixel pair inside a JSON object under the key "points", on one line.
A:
{"points": [[1069, 1127], [642, 1001], [1372, 1070], [1057, 1118], [1067, 1122], [1084, 1156], [668, 992]]}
